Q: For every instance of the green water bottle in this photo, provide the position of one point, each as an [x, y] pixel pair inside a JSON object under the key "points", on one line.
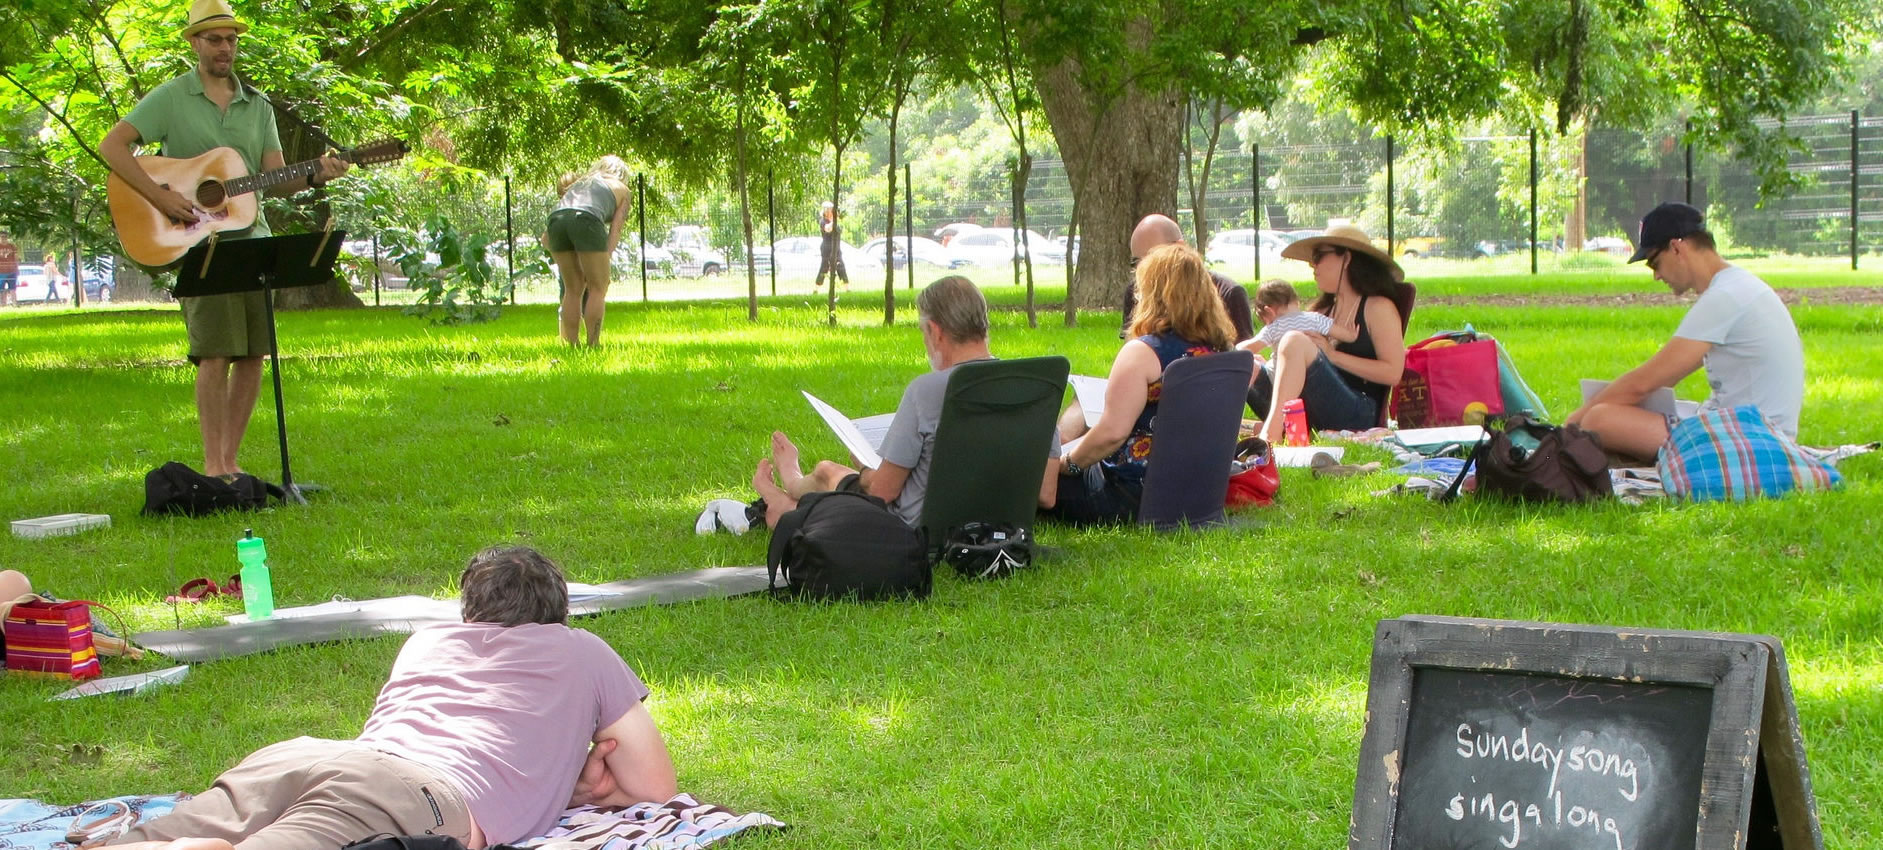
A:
{"points": [[258, 590]]}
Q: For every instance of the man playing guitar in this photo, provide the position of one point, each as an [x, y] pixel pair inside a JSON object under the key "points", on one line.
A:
{"points": [[207, 108]]}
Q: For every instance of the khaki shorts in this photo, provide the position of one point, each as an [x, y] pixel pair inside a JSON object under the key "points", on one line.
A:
{"points": [[234, 325], [314, 794]]}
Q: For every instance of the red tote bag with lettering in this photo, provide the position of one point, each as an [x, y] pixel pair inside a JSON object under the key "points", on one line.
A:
{"points": [[1450, 379]]}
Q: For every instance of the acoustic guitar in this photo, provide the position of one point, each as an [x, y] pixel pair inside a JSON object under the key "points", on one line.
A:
{"points": [[224, 192]]}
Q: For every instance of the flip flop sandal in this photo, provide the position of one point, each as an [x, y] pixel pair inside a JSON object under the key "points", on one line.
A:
{"points": [[193, 590], [105, 820], [232, 587]]}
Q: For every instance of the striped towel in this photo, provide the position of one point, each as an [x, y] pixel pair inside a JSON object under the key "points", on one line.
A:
{"points": [[32, 825], [681, 823], [1721, 455]]}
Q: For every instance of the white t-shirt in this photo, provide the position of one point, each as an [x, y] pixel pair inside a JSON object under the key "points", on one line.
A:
{"points": [[1756, 356]]}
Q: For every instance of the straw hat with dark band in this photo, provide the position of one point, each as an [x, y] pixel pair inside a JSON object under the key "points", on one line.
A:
{"points": [[1343, 236], [212, 15]]}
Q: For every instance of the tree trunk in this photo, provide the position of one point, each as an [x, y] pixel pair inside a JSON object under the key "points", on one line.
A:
{"points": [[1122, 166], [1576, 225]]}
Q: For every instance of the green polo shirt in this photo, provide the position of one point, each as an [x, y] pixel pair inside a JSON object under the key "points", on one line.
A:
{"points": [[181, 118]]}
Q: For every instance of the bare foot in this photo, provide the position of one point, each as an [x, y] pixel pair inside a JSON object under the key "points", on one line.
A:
{"points": [[785, 457], [777, 501]]}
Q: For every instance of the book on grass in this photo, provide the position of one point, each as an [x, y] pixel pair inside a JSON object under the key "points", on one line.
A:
{"points": [[1660, 401], [862, 437], [1090, 393]]}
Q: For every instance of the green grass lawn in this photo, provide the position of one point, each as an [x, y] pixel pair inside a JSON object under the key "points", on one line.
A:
{"points": [[1197, 689]]}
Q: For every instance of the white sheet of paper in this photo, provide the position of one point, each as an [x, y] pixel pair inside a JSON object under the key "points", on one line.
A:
{"points": [[1660, 401], [1296, 457], [849, 433], [1464, 435], [1090, 392]]}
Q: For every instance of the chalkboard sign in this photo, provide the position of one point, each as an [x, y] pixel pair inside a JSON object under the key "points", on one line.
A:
{"points": [[1505, 735]]}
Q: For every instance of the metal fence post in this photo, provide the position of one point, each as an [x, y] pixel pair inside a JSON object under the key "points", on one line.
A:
{"points": [[771, 224], [1689, 162], [376, 273], [1389, 197], [509, 240], [1255, 201], [908, 221], [640, 219], [78, 274], [1533, 233], [1853, 190]]}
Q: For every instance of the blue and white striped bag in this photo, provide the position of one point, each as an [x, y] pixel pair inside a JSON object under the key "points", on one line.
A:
{"points": [[1732, 454]]}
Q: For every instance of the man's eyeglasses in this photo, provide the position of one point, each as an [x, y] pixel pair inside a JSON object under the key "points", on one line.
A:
{"points": [[1655, 258], [221, 40]]}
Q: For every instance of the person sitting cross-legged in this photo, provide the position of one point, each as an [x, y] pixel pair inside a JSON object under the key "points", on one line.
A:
{"points": [[482, 732]]}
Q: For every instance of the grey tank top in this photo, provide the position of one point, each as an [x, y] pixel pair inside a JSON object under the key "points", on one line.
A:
{"points": [[590, 195]]}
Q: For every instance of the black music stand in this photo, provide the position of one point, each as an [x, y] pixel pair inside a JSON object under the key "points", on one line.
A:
{"points": [[219, 267]]}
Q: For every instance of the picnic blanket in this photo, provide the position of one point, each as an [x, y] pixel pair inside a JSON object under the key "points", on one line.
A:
{"points": [[681, 823]]}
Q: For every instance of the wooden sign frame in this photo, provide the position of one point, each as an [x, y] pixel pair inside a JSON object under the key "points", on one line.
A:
{"points": [[1752, 742]]}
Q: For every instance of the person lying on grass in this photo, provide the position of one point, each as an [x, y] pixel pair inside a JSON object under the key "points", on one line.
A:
{"points": [[953, 317], [1738, 329], [481, 733]]}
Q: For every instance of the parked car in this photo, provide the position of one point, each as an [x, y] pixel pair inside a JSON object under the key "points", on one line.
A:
{"points": [[993, 247], [692, 251], [1611, 245], [1239, 247], [946, 233], [927, 252], [658, 260], [33, 288], [800, 256], [1492, 248]]}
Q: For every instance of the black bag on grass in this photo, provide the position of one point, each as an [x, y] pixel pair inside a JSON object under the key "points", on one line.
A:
{"points": [[387, 841], [175, 488], [839, 544], [988, 550], [1526, 460]]}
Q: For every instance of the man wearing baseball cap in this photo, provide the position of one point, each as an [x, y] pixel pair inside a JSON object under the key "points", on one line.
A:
{"points": [[1737, 328]]}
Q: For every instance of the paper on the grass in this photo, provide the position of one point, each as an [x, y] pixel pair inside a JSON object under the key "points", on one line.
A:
{"points": [[1090, 392], [862, 443], [135, 683], [1289, 457], [1464, 435]]}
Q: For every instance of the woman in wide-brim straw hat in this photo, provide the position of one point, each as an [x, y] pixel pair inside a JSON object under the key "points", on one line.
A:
{"points": [[1343, 384]]}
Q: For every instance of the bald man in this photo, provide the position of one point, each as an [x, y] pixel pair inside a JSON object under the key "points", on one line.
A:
{"points": [[1155, 230]]}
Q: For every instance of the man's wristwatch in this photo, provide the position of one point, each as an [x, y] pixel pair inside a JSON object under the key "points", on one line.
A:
{"points": [[1073, 468], [314, 184]]}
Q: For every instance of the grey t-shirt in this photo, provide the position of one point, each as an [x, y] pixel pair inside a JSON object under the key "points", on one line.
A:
{"points": [[505, 713], [1756, 357], [910, 440]]}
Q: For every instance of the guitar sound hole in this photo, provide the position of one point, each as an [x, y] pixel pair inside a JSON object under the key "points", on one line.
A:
{"points": [[210, 195]]}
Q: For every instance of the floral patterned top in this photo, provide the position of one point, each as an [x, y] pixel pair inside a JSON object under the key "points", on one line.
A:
{"points": [[1131, 457]]}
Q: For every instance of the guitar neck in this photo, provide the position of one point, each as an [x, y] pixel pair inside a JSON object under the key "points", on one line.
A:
{"points": [[270, 179]]}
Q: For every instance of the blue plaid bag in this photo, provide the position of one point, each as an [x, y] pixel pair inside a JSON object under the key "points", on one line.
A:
{"points": [[1732, 454]]}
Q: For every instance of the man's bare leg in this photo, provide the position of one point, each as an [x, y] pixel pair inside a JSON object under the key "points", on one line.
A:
{"points": [[212, 397], [1627, 430], [245, 386], [777, 501]]}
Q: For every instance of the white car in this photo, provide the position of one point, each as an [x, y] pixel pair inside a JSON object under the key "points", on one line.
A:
{"points": [[33, 289], [1239, 247], [1612, 245], [800, 256], [927, 252], [693, 254], [994, 247]]}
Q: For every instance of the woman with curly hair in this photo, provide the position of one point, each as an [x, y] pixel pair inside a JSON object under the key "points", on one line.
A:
{"points": [[1178, 314]]}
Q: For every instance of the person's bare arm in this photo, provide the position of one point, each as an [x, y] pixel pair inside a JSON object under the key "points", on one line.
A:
{"points": [[1676, 360], [885, 481], [1389, 346], [621, 214], [628, 764], [119, 148], [1126, 390]]}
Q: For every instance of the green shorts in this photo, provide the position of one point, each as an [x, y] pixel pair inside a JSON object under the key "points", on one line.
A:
{"points": [[234, 325], [577, 230]]}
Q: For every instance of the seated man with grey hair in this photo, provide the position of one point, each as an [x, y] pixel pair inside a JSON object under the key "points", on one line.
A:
{"points": [[953, 318], [482, 733]]}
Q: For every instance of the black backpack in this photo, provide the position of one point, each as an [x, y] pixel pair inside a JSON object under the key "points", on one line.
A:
{"points": [[175, 488], [1526, 460], [839, 544], [988, 550]]}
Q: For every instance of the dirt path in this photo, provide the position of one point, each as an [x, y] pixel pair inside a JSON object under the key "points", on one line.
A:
{"points": [[1816, 295]]}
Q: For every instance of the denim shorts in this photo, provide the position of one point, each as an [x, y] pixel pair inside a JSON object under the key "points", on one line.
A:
{"points": [[1331, 403]]}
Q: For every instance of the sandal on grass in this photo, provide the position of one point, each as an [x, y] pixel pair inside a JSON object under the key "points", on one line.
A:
{"points": [[193, 590], [232, 587]]}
